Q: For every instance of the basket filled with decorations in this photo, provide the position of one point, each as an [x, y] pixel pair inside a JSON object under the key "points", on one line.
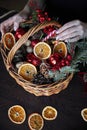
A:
{"points": [[37, 61]]}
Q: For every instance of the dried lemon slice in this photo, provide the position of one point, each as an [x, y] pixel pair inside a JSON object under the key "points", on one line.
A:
{"points": [[60, 48], [17, 114], [27, 71], [42, 50], [84, 114], [35, 121], [49, 113], [8, 40]]}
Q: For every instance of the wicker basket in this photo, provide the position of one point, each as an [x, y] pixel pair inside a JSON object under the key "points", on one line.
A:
{"points": [[38, 90]]}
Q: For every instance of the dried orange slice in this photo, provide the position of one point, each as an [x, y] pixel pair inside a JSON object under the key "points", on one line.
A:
{"points": [[35, 121], [84, 114], [49, 113], [17, 114], [60, 48], [42, 50], [27, 71], [8, 40]]}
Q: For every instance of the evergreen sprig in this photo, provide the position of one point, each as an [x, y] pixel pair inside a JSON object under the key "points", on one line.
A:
{"points": [[79, 57], [62, 73], [68, 69], [71, 48], [82, 44], [56, 75], [78, 50]]}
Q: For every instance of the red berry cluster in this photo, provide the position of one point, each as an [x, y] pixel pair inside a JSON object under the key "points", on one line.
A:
{"points": [[48, 30], [57, 62], [31, 58], [42, 16], [19, 33], [34, 42]]}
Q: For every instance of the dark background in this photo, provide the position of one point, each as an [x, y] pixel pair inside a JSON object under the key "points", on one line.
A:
{"points": [[13, 4]]}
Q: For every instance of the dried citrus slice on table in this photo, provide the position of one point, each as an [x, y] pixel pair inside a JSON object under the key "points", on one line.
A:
{"points": [[8, 40], [35, 121], [84, 114], [27, 71], [60, 48], [17, 114], [49, 113], [42, 50]]}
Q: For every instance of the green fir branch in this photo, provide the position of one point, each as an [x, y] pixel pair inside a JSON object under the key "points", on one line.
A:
{"points": [[82, 44], [56, 75], [68, 69], [62, 73], [79, 57], [71, 48]]}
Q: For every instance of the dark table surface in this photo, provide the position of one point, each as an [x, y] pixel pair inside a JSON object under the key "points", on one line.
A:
{"points": [[68, 103]]}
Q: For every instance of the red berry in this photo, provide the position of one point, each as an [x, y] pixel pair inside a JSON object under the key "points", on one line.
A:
{"points": [[62, 64], [67, 62], [31, 58], [19, 33], [69, 57], [45, 13], [41, 19], [49, 19], [36, 62], [38, 10], [39, 15], [34, 42], [53, 62]]}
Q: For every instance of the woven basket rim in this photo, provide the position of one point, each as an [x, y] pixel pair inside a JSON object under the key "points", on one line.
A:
{"points": [[28, 86]]}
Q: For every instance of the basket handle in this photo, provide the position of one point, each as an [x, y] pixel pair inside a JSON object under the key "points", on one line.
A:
{"points": [[24, 38]]}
